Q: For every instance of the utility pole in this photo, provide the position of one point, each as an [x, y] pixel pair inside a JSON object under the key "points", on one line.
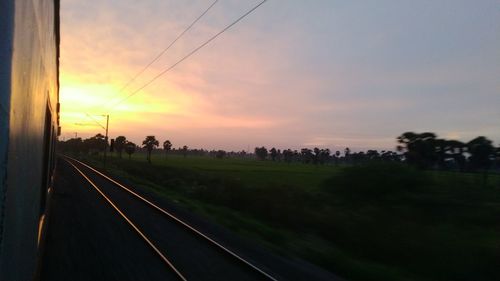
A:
{"points": [[105, 128], [106, 139]]}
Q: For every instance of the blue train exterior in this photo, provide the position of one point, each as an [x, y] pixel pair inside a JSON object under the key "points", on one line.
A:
{"points": [[29, 126]]}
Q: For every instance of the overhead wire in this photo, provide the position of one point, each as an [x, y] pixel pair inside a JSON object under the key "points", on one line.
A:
{"points": [[95, 121], [165, 49], [188, 55]]}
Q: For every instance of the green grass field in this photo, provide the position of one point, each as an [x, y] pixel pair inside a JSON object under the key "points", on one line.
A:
{"points": [[249, 171], [377, 222]]}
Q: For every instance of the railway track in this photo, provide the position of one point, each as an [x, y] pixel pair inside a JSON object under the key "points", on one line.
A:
{"points": [[184, 250]]}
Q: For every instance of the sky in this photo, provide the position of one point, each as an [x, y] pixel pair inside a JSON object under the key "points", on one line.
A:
{"points": [[323, 73]]}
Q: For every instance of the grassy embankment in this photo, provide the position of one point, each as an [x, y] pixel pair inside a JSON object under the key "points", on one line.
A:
{"points": [[379, 222]]}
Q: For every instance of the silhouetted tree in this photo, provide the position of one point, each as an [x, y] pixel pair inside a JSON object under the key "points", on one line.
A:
{"points": [[306, 155], [167, 146], [150, 143], [220, 154], [372, 155], [273, 153], [357, 157], [419, 149], [119, 144], [456, 150], [389, 156], [184, 150], [337, 156], [441, 150], [95, 144], [129, 148], [74, 145], [481, 151], [261, 153], [497, 157], [324, 156], [347, 153], [288, 155], [317, 155]]}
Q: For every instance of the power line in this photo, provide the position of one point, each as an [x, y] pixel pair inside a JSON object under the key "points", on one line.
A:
{"points": [[100, 125], [189, 54], [166, 49]]}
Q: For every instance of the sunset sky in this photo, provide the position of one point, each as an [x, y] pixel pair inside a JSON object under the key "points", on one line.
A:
{"points": [[292, 74]]}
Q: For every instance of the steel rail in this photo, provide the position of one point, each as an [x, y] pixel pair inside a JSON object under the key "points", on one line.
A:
{"points": [[138, 231], [170, 215]]}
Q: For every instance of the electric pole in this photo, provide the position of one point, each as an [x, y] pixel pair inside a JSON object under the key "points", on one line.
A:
{"points": [[106, 139]]}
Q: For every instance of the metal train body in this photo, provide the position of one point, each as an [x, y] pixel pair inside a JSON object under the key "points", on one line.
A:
{"points": [[29, 126]]}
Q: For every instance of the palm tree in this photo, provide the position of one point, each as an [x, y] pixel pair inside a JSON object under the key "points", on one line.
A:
{"points": [[167, 145], [150, 143]]}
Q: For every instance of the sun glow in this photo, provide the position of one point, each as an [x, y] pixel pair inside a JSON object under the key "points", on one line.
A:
{"points": [[84, 104], [288, 85]]}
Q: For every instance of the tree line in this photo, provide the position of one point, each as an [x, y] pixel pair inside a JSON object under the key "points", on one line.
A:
{"points": [[422, 150], [426, 151]]}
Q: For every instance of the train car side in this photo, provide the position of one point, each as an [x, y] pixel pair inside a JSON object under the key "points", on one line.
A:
{"points": [[29, 125]]}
